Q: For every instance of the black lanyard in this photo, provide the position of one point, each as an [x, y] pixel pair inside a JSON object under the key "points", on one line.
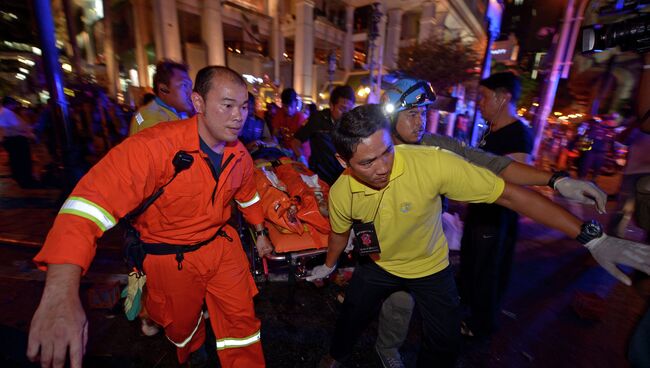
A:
{"points": [[381, 198]]}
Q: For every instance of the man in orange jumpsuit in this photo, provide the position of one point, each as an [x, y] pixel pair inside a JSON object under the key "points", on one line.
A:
{"points": [[194, 205]]}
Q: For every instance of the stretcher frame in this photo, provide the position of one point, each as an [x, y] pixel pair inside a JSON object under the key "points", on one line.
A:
{"points": [[295, 260]]}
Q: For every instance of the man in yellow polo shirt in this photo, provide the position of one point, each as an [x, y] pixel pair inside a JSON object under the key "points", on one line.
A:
{"points": [[390, 196], [173, 87]]}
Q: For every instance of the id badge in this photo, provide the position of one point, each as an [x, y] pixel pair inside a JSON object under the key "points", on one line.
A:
{"points": [[365, 238]]}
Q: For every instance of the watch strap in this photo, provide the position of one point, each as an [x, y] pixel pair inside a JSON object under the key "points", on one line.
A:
{"points": [[557, 176], [264, 232], [589, 231]]}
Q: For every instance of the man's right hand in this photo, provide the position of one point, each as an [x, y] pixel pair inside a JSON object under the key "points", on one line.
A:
{"points": [[320, 272], [59, 325]]}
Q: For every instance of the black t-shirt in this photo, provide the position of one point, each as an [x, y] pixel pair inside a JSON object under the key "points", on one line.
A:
{"points": [[215, 159], [512, 138], [318, 131]]}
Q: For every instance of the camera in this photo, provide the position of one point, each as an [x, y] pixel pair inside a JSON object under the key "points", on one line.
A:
{"points": [[631, 34]]}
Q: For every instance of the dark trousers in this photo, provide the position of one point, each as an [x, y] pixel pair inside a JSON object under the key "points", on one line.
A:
{"points": [[591, 160], [435, 296], [639, 349], [486, 254], [20, 159]]}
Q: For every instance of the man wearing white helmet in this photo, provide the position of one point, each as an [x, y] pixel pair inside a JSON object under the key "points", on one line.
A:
{"points": [[405, 103]]}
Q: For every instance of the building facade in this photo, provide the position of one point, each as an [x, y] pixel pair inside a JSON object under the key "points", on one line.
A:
{"points": [[278, 42]]}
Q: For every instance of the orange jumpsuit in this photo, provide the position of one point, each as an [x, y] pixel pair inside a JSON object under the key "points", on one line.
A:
{"points": [[189, 211]]}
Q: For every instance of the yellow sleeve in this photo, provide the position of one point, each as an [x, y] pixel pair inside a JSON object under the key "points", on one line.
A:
{"points": [[134, 127], [463, 181], [340, 205]]}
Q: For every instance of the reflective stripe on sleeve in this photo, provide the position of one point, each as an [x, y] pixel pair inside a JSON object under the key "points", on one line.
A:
{"points": [[255, 199], [88, 210], [238, 343], [189, 338]]}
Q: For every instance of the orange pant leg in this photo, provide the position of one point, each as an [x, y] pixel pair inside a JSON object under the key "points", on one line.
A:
{"points": [[174, 300], [229, 299]]}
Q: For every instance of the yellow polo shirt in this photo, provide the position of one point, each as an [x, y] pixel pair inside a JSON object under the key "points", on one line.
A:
{"points": [[408, 209]]}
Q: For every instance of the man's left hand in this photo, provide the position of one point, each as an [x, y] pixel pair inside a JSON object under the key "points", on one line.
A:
{"points": [[582, 191], [264, 246], [610, 251]]}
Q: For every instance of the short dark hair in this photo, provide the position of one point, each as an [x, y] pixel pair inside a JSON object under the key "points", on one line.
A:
{"points": [[165, 71], [288, 96], [355, 125], [204, 78], [339, 92], [504, 82], [148, 97]]}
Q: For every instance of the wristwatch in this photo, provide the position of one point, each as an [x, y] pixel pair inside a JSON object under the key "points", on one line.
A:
{"points": [[264, 232], [557, 176], [589, 231]]}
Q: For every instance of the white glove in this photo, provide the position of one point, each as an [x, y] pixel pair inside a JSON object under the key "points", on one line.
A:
{"points": [[320, 272], [610, 251], [582, 191]]}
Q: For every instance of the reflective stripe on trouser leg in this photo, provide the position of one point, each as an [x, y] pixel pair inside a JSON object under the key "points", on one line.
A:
{"points": [[232, 342], [230, 301], [189, 338], [174, 299]]}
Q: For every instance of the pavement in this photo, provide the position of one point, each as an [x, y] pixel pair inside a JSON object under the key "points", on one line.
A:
{"points": [[562, 309]]}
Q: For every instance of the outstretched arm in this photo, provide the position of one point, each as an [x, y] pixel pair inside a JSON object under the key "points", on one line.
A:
{"points": [[59, 324], [517, 173], [540, 209], [578, 190], [608, 251]]}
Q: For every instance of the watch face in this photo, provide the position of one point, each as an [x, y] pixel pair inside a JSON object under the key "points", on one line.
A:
{"points": [[593, 229]]}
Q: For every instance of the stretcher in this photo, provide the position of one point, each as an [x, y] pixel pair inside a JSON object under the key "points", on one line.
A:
{"points": [[294, 202]]}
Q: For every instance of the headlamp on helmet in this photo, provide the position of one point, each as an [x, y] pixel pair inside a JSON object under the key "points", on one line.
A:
{"points": [[406, 94]]}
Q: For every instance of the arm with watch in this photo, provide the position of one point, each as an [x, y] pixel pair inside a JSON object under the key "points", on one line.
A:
{"points": [[578, 190], [262, 240], [521, 174], [607, 251]]}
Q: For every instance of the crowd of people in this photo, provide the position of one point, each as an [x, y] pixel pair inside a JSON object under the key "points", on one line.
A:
{"points": [[188, 164], [33, 141]]}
